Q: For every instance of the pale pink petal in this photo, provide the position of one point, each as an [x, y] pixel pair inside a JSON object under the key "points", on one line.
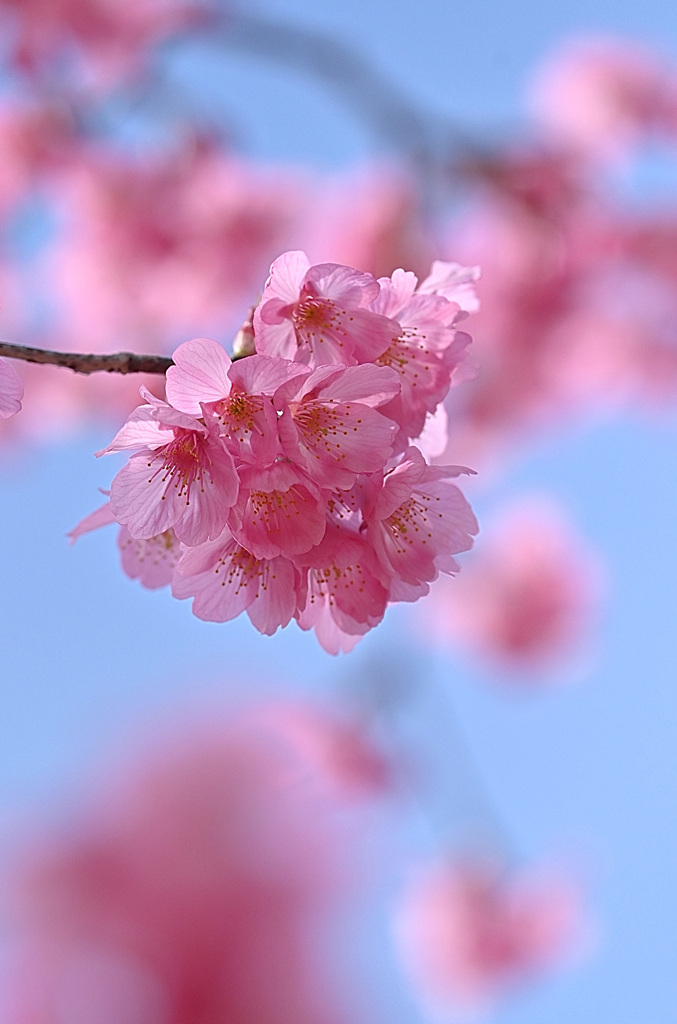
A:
{"points": [[343, 285], [199, 375], [278, 602], [263, 374], [455, 283], [102, 516], [332, 638], [286, 277], [152, 561], [189, 485], [367, 384], [433, 439], [11, 390], [141, 430], [230, 580]]}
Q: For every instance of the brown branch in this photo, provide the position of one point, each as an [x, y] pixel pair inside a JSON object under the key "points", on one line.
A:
{"points": [[89, 362]]}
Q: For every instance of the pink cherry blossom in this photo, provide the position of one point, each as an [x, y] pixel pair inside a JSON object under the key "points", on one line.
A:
{"points": [[428, 350], [318, 314], [193, 889], [469, 932], [328, 426], [346, 596], [183, 478], [224, 579], [279, 511], [11, 390], [527, 599], [238, 395], [417, 520], [268, 486]]}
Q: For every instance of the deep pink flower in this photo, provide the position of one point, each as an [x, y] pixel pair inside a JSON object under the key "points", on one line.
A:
{"points": [[224, 579], [468, 932], [183, 478], [11, 390], [319, 314]]}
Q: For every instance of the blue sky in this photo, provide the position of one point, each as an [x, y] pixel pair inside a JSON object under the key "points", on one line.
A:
{"points": [[587, 771]]}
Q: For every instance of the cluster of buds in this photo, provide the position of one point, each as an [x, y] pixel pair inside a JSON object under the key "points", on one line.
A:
{"points": [[285, 484]]}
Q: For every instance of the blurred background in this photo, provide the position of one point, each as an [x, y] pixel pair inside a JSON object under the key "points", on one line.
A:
{"points": [[470, 816]]}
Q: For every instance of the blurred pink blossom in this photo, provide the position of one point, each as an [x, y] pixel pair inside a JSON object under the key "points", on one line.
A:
{"points": [[468, 932], [197, 890], [527, 598], [602, 95], [164, 248], [578, 307], [112, 35], [369, 218]]}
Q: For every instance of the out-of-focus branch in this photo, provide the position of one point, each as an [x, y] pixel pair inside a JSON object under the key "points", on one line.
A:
{"points": [[439, 149], [89, 362]]}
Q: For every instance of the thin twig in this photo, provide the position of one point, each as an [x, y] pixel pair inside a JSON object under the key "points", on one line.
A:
{"points": [[89, 362]]}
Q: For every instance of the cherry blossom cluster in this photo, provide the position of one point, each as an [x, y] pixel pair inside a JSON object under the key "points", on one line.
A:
{"points": [[285, 484]]}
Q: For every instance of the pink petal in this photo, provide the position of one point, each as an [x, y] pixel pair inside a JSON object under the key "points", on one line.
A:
{"points": [[278, 512], [102, 516], [152, 494], [11, 390], [140, 431], [200, 375], [286, 277], [152, 561]]}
